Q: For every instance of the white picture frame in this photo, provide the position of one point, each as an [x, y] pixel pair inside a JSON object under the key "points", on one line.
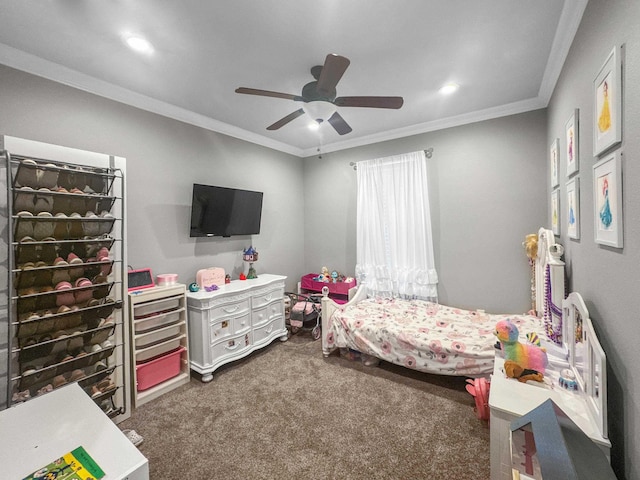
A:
{"points": [[607, 104], [555, 212], [607, 200], [554, 162], [572, 143], [572, 209]]}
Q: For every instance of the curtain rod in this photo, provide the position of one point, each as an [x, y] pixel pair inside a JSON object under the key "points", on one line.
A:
{"points": [[428, 152]]}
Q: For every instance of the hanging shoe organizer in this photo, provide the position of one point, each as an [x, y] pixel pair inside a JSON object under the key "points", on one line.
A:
{"points": [[67, 318]]}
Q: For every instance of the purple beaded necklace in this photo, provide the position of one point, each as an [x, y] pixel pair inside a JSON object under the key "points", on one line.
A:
{"points": [[550, 309]]}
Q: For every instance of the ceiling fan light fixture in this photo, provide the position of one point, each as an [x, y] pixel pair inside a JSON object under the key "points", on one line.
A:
{"points": [[449, 88], [319, 110], [138, 44]]}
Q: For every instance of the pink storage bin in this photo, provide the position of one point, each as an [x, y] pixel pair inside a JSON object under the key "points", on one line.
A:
{"points": [[338, 288], [159, 369]]}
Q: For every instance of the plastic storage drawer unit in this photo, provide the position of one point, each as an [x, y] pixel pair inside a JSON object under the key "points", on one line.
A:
{"points": [[158, 370]]}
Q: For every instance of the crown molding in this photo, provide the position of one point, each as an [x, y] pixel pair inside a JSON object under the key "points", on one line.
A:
{"points": [[568, 25], [440, 124], [52, 71]]}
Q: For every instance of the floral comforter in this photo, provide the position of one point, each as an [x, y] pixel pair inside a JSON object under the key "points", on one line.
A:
{"points": [[424, 336]]}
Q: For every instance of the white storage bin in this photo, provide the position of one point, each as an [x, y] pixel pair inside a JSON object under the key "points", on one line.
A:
{"points": [[158, 306], [158, 349], [156, 321], [156, 336]]}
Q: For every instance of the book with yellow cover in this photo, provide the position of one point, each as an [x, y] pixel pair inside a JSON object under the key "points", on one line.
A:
{"points": [[74, 465]]}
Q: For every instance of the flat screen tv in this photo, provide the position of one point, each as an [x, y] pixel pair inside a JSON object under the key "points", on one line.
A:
{"points": [[221, 211]]}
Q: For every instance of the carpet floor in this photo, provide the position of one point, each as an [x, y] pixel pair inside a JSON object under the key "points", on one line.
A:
{"points": [[285, 412]]}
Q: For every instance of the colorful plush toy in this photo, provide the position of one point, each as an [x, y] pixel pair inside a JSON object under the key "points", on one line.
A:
{"points": [[527, 356]]}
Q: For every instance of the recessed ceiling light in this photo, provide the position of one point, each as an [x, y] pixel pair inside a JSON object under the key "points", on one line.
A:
{"points": [[449, 88], [138, 44], [314, 125]]}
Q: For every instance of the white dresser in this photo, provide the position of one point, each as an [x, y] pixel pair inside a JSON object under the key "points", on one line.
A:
{"points": [[229, 323]]}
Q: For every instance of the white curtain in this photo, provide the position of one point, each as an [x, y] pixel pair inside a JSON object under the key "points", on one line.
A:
{"points": [[394, 240]]}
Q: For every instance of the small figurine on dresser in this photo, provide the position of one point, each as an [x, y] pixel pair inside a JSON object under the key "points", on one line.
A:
{"points": [[250, 255]]}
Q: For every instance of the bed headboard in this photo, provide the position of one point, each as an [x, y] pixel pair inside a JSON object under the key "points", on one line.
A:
{"points": [[549, 283], [586, 358]]}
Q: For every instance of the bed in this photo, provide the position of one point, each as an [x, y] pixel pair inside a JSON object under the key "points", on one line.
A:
{"points": [[440, 339]]}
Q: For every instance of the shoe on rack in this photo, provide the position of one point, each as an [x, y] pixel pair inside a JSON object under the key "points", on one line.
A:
{"points": [[133, 436], [47, 176], [26, 176]]}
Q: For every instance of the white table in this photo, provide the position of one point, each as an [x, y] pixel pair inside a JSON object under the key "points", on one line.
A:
{"points": [[36, 432]]}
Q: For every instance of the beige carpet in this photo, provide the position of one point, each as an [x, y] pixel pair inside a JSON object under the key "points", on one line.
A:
{"points": [[285, 412]]}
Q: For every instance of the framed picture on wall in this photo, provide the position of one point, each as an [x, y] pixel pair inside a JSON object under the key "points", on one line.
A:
{"points": [[555, 212], [607, 200], [571, 132], [573, 208], [554, 160], [607, 104]]}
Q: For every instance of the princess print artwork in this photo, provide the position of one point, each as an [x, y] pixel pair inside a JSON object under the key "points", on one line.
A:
{"points": [[570, 157], [606, 217], [604, 112]]}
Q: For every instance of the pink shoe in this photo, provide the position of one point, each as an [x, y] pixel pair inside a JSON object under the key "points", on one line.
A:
{"points": [[82, 296], [64, 298]]}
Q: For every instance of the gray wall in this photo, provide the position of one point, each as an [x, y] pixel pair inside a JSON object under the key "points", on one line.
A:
{"points": [[164, 158], [486, 188], [608, 278]]}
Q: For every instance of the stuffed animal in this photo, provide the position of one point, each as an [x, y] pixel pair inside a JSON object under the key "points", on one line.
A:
{"points": [[531, 246], [513, 370], [527, 356]]}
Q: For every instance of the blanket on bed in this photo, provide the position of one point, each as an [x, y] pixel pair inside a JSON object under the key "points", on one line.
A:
{"points": [[424, 336]]}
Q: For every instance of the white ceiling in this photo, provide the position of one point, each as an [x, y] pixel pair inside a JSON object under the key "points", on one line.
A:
{"points": [[506, 56]]}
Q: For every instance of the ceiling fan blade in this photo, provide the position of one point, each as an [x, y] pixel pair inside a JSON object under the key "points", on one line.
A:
{"points": [[267, 93], [332, 71], [283, 121], [339, 124], [372, 102]]}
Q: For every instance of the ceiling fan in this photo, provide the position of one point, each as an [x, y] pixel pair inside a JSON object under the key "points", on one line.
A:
{"points": [[319, 97]]}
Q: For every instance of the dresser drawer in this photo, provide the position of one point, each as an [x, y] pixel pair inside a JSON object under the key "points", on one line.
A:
{"points": [[263, 332], [266, 295], [261, 315], [230, 309], [229, 326], [231, 346]]}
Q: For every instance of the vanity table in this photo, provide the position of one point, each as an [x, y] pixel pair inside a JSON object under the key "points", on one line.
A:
{"points": [[586, 406]]}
